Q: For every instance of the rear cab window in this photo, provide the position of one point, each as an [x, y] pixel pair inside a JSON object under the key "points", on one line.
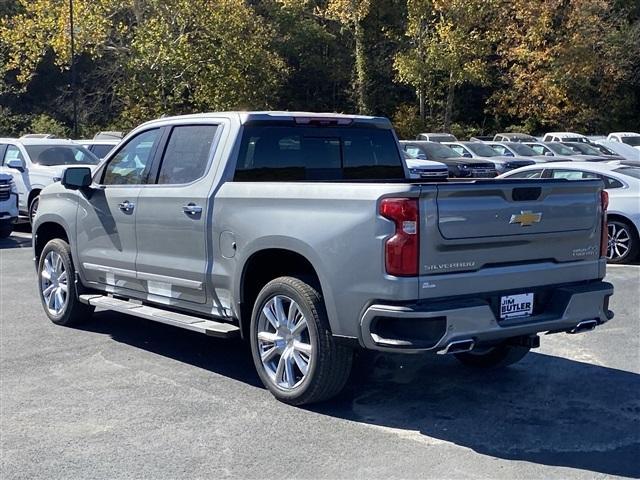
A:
{"points": [[317, 153]]}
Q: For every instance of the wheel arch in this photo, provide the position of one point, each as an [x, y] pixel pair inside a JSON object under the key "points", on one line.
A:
{"points": [[44, 233], [622, 218], [264, 265]]}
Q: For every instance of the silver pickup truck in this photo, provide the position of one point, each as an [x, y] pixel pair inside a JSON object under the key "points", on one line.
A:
{"points": [[301, 234]]}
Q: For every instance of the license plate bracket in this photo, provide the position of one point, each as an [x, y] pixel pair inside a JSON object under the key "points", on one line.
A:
{"points": [[514, 306]]}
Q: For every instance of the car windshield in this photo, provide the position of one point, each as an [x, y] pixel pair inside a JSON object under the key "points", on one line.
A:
{"points": [[561, 149], [482, 150], [437, 151], [633, 141], [584, 148], [522, 149], [52, 155], [604, 149], [629, 171]]}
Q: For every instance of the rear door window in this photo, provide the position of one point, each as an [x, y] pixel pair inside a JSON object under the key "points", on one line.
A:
{"points": [[306, 153], [187, 154]]}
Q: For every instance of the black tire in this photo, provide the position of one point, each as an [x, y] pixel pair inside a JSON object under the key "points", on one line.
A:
{"points": [[6, 230], [74, 312], [330, 365], [496, 357], [33, 208], [623, 230]]}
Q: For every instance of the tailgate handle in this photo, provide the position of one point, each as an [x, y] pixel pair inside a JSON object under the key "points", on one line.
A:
{"points": [[523, 194]]}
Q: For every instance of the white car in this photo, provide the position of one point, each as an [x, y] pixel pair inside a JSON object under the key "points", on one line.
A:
{"points": [[425, 169], [564, 137], [628, 138], [622, 182], [35, 163], [437, 137], [624, 150], [8, 204]]}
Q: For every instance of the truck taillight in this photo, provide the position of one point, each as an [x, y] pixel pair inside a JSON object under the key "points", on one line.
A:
{"points": [[402, 249], [604, 240]]}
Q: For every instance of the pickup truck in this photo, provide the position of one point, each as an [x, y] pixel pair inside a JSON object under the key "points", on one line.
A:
{"points": [[301, 233]]}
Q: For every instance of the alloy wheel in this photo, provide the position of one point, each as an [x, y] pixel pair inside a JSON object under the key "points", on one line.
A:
{"points": [[284, 344], [54, 283], [619, 240]]}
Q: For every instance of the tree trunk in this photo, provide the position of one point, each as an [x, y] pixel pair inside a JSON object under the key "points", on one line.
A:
{"points": [[449, 106], [361, 71], [421, 95]]}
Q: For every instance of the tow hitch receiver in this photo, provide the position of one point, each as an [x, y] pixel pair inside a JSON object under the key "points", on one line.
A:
{"points": [[531, 341]]}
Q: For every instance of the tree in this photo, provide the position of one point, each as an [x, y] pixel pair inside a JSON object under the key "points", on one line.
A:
{"points": [[447, 44], [351, 14]]}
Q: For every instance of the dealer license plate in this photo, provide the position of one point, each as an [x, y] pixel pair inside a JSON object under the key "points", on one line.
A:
{"points": [[516, 305]]}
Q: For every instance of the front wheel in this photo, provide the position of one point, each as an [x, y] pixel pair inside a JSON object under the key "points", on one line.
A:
{"points": [[494, 357], [5, 230], [33, 209], [293, 350], [57, 288]]}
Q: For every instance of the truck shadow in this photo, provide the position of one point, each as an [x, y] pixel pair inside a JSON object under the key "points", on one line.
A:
{"points": [[546, 410]]}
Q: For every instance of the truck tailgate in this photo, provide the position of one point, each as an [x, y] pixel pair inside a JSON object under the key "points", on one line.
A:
{"points": [[522, 224]]}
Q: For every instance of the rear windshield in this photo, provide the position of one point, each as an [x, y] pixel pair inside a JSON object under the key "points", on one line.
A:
{"points": [[437, 151], [307, 153], [561, 149], [630, 171], [52, 155], [633, 141]]}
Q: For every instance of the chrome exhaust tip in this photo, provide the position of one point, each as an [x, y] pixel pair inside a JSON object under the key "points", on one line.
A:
{"points": [[458, 346], [584, 326]]}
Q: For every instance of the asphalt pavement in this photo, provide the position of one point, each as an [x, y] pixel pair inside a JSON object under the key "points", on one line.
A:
{"points": [[121, 397]]}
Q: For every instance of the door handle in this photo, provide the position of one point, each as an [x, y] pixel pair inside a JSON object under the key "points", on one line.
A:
{"points": [[127, 206], [192, 209]]}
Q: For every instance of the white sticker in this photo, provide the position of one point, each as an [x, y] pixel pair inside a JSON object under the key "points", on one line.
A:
{"points": [[516, 305]]}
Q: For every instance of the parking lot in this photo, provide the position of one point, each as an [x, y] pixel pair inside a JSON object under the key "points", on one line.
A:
{"points": [[122, 397]]}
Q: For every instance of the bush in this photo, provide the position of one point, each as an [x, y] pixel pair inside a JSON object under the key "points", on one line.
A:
{"points": [[45, 124]]}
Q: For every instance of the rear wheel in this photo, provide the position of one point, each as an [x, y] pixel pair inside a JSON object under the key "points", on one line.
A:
{"points": [[293, 350], [622, 241], [494, 357], [56, 277]]}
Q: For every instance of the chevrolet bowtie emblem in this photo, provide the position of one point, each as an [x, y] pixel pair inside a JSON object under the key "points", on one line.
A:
{"points": [[526, 218]]}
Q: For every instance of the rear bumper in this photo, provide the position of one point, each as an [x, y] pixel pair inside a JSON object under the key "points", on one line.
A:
{"points": [[433, 325]]}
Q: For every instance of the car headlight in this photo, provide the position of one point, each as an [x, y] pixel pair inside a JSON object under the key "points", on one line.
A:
{"points": [[14, 187], [415, 171], [463, 167]]}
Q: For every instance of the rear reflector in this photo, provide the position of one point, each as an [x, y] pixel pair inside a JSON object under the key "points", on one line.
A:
{"points": [[604, 239], [402, 249]]}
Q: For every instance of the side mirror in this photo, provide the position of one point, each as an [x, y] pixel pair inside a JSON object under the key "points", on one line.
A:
{"points": [[467, 155], [75, 178], [508, 154], [16, 163], [548, 154]]}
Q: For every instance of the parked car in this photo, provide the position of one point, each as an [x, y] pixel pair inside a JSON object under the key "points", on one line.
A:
{"points": [[582, 148], [485, 152], [519, 149], [8, 204], [459, 166], [627, 151], [629, 138], [622, 182], [513, 137], [481, 138], [38, 135], [564, 137], [242, 229], [425, 169], [100, 148], [35, 163], [437, 137], [562, 152]]}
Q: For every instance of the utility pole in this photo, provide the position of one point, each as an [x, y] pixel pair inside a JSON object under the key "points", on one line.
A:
{"points": [[74, 95]]}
